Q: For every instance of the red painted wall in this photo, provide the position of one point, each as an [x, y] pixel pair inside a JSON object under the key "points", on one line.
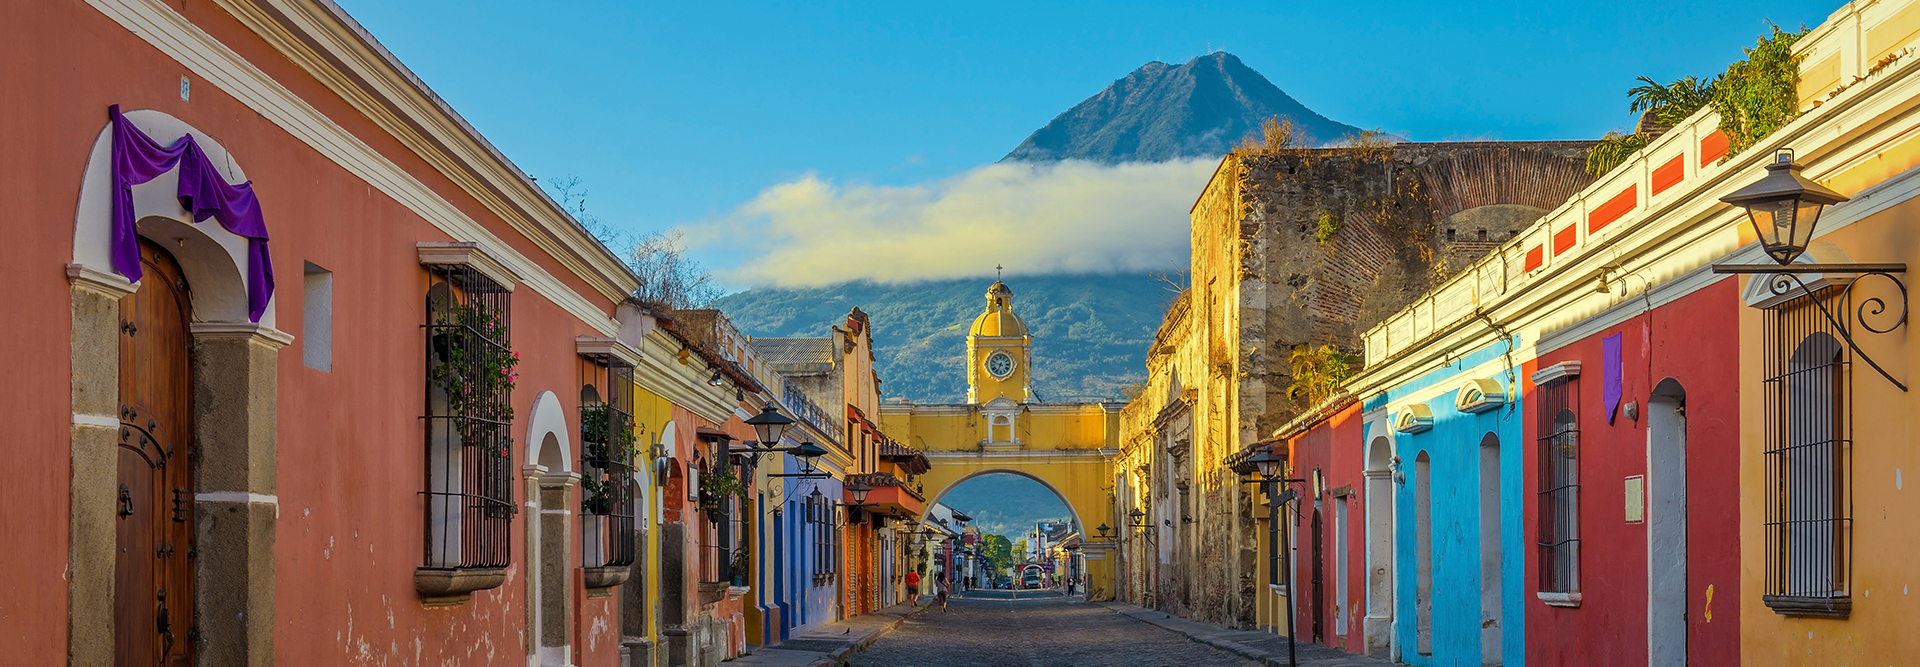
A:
{"points": [[351, 459], [1693, 340], [1335, 447]]}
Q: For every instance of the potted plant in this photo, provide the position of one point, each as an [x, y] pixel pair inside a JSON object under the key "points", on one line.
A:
{"points": [[738, 568]]}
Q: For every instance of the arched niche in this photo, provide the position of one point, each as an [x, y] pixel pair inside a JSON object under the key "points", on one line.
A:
{"points": [[213, 259], [549, 418]]}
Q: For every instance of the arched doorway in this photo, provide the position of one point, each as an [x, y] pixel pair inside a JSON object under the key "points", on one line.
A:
{"points": [[550, 483], [1379, 508], [153, 568], [1667, 525]]}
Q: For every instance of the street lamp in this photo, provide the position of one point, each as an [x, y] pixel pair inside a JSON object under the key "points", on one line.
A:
{"points": [[859, 492], [1784, 208], [770, 425], [1103, 530], [1272, 465]]}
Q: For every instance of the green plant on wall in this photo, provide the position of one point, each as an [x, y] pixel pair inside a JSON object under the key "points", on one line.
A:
{"points": [[1317, 371], [722, 482], [1613, 151], [1328, 225], [608, 445], [475, 373], [1670, 103], [1756, 96]]}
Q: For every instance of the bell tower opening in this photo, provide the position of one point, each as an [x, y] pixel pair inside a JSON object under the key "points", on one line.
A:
{"points": [[999, 351]]}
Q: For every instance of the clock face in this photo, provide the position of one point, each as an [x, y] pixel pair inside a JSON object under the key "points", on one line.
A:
{"points": [[1000, 365]]}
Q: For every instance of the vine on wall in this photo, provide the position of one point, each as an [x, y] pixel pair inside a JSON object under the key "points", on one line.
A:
{"points": [[1757, 96]]}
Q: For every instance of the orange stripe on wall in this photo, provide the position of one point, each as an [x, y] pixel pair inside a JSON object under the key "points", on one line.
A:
{"points": [[1713, 148], [1563, 240], [1535, 257], [1669, 174], [1617, 207]]}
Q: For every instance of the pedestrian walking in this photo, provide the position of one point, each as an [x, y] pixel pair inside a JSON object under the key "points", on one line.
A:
{"points": [[913, 589], [940, 595]]}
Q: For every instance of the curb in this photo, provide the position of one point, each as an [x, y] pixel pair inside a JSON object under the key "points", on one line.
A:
{"points": [[1229, 646], [838, 657]]}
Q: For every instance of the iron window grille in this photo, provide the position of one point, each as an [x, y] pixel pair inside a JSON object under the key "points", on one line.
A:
{"points": [[469, 412], [608, 448], [1559, 495], [1808, 459]]}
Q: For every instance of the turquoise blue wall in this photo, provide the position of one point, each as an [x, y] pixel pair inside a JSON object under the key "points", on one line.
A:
{"points": [[1453, 446]]}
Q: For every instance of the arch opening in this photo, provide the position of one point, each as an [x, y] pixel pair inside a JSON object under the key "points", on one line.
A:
{"points": [[1012, 504]]}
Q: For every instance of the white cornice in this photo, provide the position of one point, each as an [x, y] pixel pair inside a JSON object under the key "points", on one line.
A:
{"points": [[607, 347], [260, 333], [660, 372], [109, 284], [219, 65], [322, 39], [471, 255]]}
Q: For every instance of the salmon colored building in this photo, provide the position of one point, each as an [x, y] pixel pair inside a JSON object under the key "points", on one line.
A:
{"points": [[298, 358]]}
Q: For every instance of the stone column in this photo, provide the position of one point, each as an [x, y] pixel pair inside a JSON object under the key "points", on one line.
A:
{"points": [[556, 567], [235, 390], [91, 534]]}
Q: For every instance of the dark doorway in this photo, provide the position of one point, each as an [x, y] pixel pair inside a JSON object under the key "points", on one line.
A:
{"points": [[153, 570], [1319, 599]]}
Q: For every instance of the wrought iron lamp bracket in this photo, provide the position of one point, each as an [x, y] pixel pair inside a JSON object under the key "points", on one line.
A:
{"points": [[1782, 279]]}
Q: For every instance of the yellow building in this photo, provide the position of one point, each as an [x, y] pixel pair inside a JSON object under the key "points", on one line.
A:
{"points": [[1066, 447]]}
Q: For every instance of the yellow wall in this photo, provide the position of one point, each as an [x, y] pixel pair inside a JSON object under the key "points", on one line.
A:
{"points": [[1885, 603], [651, 413]]}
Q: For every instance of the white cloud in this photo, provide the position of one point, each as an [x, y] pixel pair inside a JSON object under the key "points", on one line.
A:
{"points": [[1066, 217]]}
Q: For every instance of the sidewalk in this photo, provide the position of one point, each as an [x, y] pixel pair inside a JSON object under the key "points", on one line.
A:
{"points": [[1268, 648], [829, 644]]}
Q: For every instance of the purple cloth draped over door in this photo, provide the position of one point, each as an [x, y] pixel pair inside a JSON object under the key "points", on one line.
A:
{"points": [[203, 192], [1610, 371]]}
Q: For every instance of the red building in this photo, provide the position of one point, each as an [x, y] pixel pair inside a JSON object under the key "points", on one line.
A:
{"points": [[1330, 523], [1636, 410], [336, 419]]}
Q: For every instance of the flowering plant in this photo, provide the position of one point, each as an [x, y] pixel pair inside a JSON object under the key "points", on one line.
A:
{"points": [[474, 368], [609, 438]]}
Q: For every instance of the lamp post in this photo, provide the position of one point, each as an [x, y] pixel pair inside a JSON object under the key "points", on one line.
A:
{"points": [[1272, 467], [1784, 209]]}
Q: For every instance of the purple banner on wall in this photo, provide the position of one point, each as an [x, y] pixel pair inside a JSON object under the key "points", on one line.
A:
{"points": [[1610, 369], [137, 158]]}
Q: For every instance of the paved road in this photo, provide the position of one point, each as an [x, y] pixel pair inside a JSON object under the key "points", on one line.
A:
{"points": [[1034, 629]]}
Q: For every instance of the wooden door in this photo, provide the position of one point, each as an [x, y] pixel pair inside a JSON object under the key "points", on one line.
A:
{"points": [[1318, 602], [153, 573]]}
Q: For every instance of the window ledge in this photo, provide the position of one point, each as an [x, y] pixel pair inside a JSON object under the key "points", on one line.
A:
{"points": [[600, 579], [1809, 605], [448, 587], [1570, 599]]}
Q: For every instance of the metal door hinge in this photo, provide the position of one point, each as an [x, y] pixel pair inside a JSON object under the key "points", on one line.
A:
{"points": [[128, 327]]}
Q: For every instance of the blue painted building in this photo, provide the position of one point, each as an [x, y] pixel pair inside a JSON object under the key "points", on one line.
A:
{"points": [[1444, 449]]}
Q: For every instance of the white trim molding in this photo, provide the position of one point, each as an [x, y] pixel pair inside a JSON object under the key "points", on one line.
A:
{"points": [[612, 348], [471, 255], [1414, 418], [1479, 395], [111, 285], [1560, 599], [97, 421], [1564, 370], [260, 333]]}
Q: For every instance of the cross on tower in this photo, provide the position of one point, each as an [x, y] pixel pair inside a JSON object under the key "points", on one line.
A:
{"points": [[997, 269]]}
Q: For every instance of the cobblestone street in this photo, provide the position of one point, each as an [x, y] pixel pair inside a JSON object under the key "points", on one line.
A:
{"points": [[1034, 629]]}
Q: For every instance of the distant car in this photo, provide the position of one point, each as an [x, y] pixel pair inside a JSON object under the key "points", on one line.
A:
{"points": [[1030, 579]]}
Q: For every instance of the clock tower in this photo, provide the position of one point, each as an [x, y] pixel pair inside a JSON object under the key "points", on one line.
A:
{"points": [[999, 352]]}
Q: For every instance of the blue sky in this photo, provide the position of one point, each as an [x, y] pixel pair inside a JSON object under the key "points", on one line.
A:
{"points": [[676, 114]]}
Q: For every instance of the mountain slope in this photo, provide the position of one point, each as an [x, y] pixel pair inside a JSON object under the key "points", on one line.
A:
{"points": [[1090, 331], [1162, 112]]}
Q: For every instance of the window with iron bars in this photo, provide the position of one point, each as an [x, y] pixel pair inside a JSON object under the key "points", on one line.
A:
{"points": [[1808, 459], [608, 447], [1559, 495], [469, 412], [826, 536], [724, 537]]}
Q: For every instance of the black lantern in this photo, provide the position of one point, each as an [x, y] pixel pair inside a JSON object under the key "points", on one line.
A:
{"points": [[1137, 518], [1784, 207], [1270, 464], [859, 492], [769, 425], [1103, 530], [807, 452]]}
